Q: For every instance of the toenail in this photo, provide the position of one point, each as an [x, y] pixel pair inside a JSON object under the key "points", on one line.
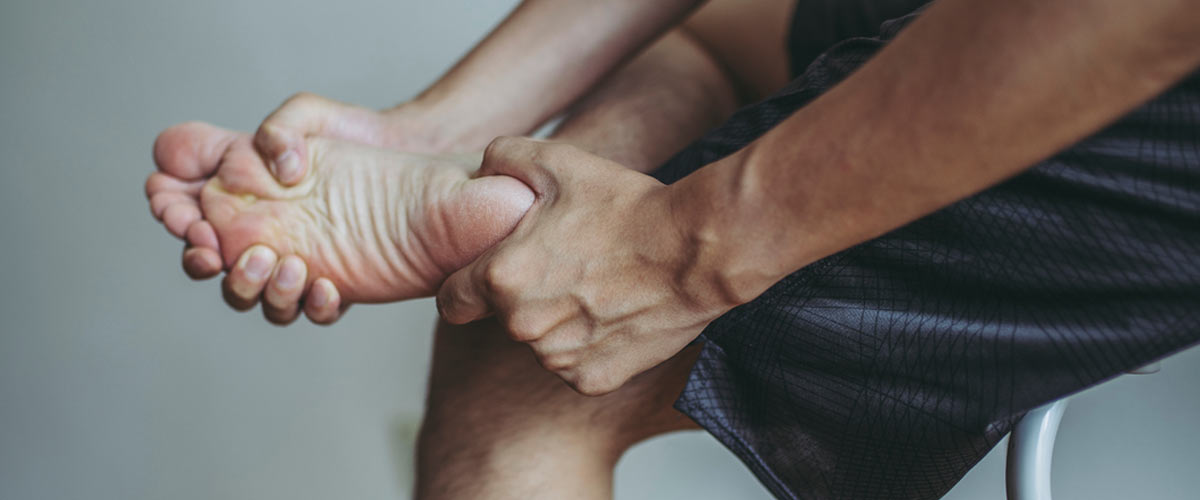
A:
{"points": [[259, 264], [289, 275], [287, 165]]}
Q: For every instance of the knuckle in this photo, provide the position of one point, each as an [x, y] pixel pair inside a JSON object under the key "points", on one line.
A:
{"points": [[494, 148], [302, 99], [500, 277], [590, 383], [450, 306], [557, 363], [271, 136], [597, 380], [269, 129], [500, 144], [503, 150], [524, 328]]}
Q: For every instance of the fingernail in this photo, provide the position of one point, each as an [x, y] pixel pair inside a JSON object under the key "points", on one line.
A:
{"points": [[319, 296], [259, 264], [287, 165], [289, 275]]}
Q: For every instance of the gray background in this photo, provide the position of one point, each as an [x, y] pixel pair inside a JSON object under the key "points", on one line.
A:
{"points": [[120, 379]]}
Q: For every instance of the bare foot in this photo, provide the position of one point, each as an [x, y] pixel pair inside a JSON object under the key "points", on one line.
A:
{"points": [[365, 225]]}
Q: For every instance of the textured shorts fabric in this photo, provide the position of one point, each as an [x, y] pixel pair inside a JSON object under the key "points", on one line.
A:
{"points": [[889, 369]]}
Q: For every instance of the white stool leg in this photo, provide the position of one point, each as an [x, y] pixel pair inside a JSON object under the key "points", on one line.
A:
{"points": [[1030, 449]]}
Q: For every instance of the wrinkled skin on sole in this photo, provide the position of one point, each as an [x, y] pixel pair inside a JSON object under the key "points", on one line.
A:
{"points": [[377, 225]]}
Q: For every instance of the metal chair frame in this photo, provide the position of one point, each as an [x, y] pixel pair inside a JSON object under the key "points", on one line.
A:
{"points": [[1031, 448]]}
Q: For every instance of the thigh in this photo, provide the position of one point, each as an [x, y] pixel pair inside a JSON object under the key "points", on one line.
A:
{"points": [[763, 43], [748, 38]]}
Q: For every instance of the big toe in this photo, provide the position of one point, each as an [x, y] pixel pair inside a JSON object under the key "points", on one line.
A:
{"points": [[191, 151]]}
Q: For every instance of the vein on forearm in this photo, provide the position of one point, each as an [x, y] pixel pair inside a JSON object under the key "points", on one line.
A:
{"points": [[970, 94]]}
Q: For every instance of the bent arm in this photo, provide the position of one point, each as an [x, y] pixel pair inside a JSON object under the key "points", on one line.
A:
{"points": [[540, 59], [968, 95]]}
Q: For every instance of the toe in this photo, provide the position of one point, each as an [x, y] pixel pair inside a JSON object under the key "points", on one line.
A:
{"points": [[160, 201], [323, 304], [159, 182], [246, 280], [191, 151], [202, 235], [201, 263], [179, 216], [281, 298]]}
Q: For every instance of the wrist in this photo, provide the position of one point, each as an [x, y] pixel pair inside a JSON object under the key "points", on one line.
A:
{"points": [[425, 125], [721, 235]]}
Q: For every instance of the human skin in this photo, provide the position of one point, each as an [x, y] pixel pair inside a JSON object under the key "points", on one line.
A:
{"points": [[366, 225], [493, 414], [968, 95], [512, 82], [447, 116], [543, 57]]}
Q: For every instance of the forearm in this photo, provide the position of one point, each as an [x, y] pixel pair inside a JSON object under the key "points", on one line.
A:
{"points": [[970, 94], [543, 57]]}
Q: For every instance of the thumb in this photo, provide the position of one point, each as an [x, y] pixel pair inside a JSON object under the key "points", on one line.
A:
{"points": [[280, 138], [520, 158], [461, 299]]}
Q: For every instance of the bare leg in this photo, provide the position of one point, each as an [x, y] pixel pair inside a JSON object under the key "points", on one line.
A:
{"points": [[497, 425], [748, 40], [654, 106]]}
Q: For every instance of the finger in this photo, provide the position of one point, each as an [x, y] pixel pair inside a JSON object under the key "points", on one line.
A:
{"points": [[179, 216], [201, 263], [246, 279], [460, 299], [323, 304], [242, 172], [520, 158], [567, 336], [191, 151], [280, 138], [281, 298]]}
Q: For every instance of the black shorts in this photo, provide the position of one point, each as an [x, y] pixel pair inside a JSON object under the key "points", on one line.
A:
{"points": [[891, 368]]}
